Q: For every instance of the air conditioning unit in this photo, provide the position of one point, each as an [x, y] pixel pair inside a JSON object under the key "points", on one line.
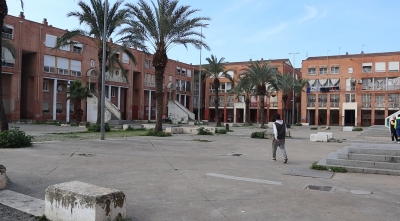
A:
{"points": [[359, 81]]}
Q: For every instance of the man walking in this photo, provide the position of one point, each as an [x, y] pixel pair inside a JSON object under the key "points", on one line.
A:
{"points": [[279, 138], [397, 127]]}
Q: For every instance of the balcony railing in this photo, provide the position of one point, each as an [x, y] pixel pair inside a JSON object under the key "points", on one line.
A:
{"points": [[253, 104], [379, 105], [321, 104], [366, 105], [118, 79], [273, 104], [393, 104], [7, 35], [334, 104], [351, 88], [310, 104], [229, 104]]}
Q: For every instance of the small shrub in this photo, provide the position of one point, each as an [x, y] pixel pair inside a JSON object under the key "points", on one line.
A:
{"points": [[260, 135], [97, 128], [338, 169], [315, 166], [151, 132], [313, 128], [298, 124], [220, 131], [129, 128], [14, 138], [41, 218], [357, 129], [203, 131], [288, 125], [120, 218]]}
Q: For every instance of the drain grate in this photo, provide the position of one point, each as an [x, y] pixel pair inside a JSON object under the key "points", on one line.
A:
{"points": [[320, 188]]}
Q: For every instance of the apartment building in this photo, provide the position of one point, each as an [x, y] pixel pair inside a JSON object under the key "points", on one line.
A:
{"points": [[35, 82], [232, 107], [351, 89]]}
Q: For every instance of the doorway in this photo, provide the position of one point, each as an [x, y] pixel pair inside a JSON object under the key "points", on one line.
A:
{"points": [[349, 117]]}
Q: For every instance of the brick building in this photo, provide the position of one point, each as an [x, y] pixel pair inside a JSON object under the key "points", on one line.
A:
{"points": [[232, 107], [355, 90], [35, 82]]}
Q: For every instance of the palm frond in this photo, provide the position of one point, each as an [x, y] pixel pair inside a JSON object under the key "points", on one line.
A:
{"points": [[9, 46]]}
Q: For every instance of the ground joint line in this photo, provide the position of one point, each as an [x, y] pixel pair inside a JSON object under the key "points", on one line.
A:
{"points": [[244, 179]]}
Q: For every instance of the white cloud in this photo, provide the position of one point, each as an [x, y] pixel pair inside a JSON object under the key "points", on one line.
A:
{"points": [[270, 31], [312, 12]]}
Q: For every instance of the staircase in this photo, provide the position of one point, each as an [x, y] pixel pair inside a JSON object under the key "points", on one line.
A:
{"points": [[375, 131], [178, 110], [366, 158]]}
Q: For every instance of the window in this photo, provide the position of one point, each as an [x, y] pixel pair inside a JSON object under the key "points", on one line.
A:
{"points": [[366, 100], [189, 73], [7, 60], [380, 67], [46, 107], [393, 100], [116, 55], [380, 100], [153, 111], [66, 48], [125, 58], [92, 63], [148, 63], [334, 99], [178, 71], [350, 98], [188, 86], [76, 68], [59, 108], [394, 66], [335, 69], [367, 68], [322, 99], [311, 71], [350, 84], [46, 86], [59, 87], [112, 92], [62, 66], [77, 48], [50, 41], [183, 72], [8, 31], [49, 63], [71, 108], [323, 70], [311, 100]]}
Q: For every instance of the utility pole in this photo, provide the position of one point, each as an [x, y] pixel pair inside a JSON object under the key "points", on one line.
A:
{"points": [[103, 78], [294, 62]]}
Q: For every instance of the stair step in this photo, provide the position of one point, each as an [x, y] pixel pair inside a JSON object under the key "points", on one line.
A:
{"points": [[369, 157], [371, 170], [363, 164], [391, 151]]}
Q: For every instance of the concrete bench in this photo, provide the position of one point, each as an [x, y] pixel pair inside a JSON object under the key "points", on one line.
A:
{"points": [[133, 126], [3, 178], [329, 134], [149, 126], [80, 201], [318, 137], [348, 128], [174, 130]]}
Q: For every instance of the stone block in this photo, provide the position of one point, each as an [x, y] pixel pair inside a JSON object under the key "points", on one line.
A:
{"points": [[3, 177], [318, 137], [347, 128], [80, 201], [133, 126], [190, 130], [192, 122], [149, 126], [174, 130], [211, 129], [329, 134]]}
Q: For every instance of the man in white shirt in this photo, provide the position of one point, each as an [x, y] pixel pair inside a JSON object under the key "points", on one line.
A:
{"points": [[279, 138]]}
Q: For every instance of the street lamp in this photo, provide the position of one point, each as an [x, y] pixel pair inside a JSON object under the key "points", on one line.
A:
{"points": [[294, 63], [103, 81], [201, 42]]}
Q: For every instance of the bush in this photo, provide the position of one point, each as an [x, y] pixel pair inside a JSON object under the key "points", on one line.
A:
{"points": [[97, 128], [203, 131], [315, 166], [313, 128], [260, 134], [14, 138], [288, 125], [338, 169], [220, 131], [298, 124], [357, 129], [151, 132]]}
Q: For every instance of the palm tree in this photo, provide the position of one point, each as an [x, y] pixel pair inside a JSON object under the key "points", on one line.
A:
{"points": [[93, 17], [215, 69], [299, 84], [3, 116], [164, 25], [77, 92], [260, 75], [285, 85], [245, 88]]}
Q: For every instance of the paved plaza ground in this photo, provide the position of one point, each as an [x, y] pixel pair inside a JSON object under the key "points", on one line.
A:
{"points": [[226, 177]]}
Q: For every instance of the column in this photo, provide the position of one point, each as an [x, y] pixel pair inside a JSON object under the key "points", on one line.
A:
{"points": [[184, 101], [68, 103], [55, 100], [234, 113], [109, 92], [225, 115], [244, 114], [149, 111], [119, 98]]}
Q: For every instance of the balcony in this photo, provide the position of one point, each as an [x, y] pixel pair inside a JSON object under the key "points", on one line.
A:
{"points": [[380, 105], [118, 79], [310, 104], [334, 104], [366, 105], [7, 35], [351, 88], [229, 104], [321, 104], [393, 104], [253, 104], [273, 104]]}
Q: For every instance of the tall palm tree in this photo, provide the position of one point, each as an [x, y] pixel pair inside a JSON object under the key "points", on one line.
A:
{"points": [[77, 92], [285, 85], [215, 70], [3, 116], [163, 25], [92, 16], [245, 88], [299, 84], [263, 76]]}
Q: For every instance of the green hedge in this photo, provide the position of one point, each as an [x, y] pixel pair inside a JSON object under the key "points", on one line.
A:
{"points": [[260, 134], [14, 138], [97, 128]]}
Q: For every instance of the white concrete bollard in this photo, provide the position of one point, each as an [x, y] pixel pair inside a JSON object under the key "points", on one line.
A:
{"points": [[79, 201], [329, 134], [3, 178], [348, 128], [318, 138]]}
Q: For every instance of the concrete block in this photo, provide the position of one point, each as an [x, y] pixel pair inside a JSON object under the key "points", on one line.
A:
{"points": [[211, 129], [318, 138], [149, 126], [192, 123], [174, 130], [80, 201], [305, 124], [133, 126], [329, 134], [3, 177], [347, 128], [65, 125], [190, 130]]}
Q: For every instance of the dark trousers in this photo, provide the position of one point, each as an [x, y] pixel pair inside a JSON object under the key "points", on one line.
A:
{"points": [[394, 135]]}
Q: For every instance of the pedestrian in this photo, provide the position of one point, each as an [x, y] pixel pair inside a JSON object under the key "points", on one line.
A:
{"points": [[397, 127], [279, 138], [393, 130]]}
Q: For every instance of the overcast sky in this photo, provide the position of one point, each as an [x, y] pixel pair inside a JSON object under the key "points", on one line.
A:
{"points": [[268, 29]]}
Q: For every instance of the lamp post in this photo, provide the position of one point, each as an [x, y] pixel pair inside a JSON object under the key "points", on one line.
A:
{"points": [[294, 62], [103, 81], [201, 42]]}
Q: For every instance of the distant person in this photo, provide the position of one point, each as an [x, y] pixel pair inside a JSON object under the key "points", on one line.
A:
{"points": [[397, 127], [393, 129], [279, 138]]}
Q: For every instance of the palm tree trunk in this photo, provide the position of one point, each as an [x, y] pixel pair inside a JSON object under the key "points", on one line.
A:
{"points": [[160, 61], [3, 116], [284, 99], [262, 111], [99, 85], [216, 102], [247, 102]]}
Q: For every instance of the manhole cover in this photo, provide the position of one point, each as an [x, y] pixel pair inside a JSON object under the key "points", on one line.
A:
{"points": [[320, 188]]}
